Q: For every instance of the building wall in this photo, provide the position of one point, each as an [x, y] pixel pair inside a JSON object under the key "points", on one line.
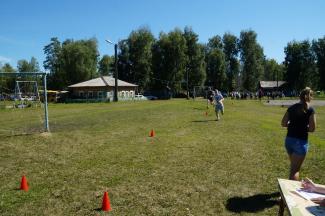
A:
{"points": [[104, 93]]}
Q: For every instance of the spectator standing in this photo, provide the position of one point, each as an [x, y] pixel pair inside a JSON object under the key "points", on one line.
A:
{"points": [[218, 101]]}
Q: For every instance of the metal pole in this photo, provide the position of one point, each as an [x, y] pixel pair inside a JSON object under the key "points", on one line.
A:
{"points": [[277, 83], [187, 91], [47, 128], [116, 76], [206, 95]]}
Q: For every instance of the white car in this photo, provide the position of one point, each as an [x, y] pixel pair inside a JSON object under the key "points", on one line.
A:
{"points": [[140, 97]]}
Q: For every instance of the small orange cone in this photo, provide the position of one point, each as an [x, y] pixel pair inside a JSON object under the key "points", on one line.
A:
{"points": [[106, 206], [23, 184], [152, 133]]}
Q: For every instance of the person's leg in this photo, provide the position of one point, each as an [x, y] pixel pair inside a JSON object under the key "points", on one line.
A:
{"points": [[217, 113], [295, 164]]}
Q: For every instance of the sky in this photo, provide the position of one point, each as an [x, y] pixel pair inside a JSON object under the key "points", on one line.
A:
{"points": [[28, 25]]}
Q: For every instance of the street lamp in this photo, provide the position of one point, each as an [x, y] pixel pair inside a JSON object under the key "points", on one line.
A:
{"points": [[187, 91], [116, 72]]}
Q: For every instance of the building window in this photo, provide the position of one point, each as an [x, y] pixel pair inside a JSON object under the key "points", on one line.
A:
{"points": [[90, 94], [81, 94], [100, 94]]}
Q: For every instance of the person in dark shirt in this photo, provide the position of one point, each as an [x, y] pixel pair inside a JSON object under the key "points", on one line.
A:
{"points": [[300, 119], [210, 95]]}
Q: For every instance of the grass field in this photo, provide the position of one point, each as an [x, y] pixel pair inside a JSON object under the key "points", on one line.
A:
{"points": [[193, 166]]}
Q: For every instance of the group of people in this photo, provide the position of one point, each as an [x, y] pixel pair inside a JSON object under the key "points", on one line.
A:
{"points": [[215, 98], [300, 119]]}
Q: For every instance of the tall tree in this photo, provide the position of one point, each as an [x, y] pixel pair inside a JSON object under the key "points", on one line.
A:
{"points": [[300, 65], [272, 70], [7, 83], [216, 64], [318, 48], [231, 50], [52, 63], [195, 65], [25, 66], [124, 65], [169, 60], [105, 65], [7, 68], [140, 59], [79, 60], [252, 58]]}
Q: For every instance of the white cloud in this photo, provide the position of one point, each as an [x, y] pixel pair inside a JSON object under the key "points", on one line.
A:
{"points": [[4, 60]]}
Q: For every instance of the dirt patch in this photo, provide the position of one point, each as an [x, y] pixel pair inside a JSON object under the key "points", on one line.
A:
{"points": [[46, 134]]}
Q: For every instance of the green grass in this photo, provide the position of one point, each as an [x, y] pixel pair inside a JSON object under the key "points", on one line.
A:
{"points": [[194, 165]]}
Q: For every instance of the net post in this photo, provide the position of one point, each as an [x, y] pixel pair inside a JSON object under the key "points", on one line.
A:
{"points": [[47, 128]]}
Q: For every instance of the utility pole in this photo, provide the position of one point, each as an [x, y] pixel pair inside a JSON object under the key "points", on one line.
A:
{"points": [[187, 91], [115, 98], [116, 75]]}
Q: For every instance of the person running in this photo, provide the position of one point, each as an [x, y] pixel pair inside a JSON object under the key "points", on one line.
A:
{"points": [[218, 102], [299, 119], [310, 186], [210, 96]]}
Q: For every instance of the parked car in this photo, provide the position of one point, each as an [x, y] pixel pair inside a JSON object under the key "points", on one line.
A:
{"points": [[140, 97], [151, 97]]}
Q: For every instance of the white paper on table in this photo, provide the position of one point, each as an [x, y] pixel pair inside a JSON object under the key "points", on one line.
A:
{"points": [[309, 195]]}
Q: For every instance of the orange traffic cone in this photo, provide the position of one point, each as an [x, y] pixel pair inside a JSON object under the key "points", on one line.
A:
{"points": [[23, 184], [152, 133], [106, 206]]}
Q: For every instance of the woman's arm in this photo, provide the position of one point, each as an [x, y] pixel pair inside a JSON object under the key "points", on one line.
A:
{"points": [[312, 123], [285, 120]]}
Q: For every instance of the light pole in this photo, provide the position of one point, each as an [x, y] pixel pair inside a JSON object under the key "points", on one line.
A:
{"points": [[116, 72], [187, 91]]}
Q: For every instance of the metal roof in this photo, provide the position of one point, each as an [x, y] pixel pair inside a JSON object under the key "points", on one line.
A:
{"points": [[102, 82]]}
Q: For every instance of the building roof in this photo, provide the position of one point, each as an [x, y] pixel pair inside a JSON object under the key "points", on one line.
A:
{"points": [[271, 84], [102, 82]]}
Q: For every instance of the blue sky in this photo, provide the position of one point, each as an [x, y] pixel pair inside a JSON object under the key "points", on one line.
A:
{"points": [[27, 26]]}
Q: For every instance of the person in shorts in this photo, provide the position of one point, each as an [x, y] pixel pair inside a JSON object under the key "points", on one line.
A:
{"points": [[299, 119], [218, 102]]}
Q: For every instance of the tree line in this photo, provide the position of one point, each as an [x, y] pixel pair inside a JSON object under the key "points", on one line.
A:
{"points": [[178, 61]]}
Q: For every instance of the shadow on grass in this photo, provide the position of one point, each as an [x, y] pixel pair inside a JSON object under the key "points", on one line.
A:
{"points": [[17, 135], [252, 204], [200, 121], [201, 108]]}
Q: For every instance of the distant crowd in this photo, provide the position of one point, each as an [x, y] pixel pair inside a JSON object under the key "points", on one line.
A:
{"points": [[259, 94]]}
